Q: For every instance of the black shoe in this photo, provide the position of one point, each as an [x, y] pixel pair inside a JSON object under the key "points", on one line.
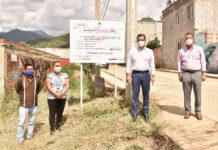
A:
{"points": [[59, 129], [134, 118], [146, 118], [52, 132]]}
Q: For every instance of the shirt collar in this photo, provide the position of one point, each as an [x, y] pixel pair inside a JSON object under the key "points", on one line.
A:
{"points": [[140, 49], [187, 48]]}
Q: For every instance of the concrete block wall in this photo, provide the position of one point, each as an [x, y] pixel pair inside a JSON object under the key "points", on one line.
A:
{"points": [[13, 59], [150, 29], [206, 19], [64, 54], [204, 15]]}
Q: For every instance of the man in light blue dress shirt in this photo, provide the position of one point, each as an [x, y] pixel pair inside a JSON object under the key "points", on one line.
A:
{"points": [[140, 70]]}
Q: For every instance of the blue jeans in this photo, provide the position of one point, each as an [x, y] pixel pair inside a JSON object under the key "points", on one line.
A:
{"points": [[23, 113], [142, 79]]}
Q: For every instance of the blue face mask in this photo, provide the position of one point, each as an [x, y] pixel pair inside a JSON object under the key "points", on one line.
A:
{"points": [[29, 73]]}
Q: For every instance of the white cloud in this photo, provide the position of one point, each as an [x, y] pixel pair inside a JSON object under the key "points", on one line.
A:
{"points": [[150, 8], [53, 16]]}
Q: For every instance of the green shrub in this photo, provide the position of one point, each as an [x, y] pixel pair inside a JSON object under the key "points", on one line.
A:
{"points": [[89, 68], [69, 69], [154, 43], [147, 19]]}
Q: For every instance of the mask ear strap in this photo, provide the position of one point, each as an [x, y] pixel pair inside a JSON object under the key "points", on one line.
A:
{"points": [[24, 91], [34, 92]]}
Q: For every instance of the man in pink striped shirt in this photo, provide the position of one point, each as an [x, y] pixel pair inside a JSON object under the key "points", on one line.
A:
{"points": [[191, 71]]}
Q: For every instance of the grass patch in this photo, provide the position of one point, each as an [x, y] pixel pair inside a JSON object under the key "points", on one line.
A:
{"points": [[96, 112], [9, 105], [88, 84], [104, 123], [155, 130]]}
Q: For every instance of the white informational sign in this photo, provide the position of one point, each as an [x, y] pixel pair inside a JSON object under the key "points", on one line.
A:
{"points": [[97, 41]]}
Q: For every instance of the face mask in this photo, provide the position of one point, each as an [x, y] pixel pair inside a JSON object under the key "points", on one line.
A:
{"points": [[57, 69], [189, 42], [141, 43], [30, 73]]}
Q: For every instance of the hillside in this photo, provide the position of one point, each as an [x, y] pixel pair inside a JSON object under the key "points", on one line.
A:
{"points": [[56, 42], [17, 35], [43, 34]]}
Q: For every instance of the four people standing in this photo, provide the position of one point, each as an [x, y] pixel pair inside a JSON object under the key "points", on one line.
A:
{"points": [[57, 84], [140, 70], [191, 69], [28, 88]]}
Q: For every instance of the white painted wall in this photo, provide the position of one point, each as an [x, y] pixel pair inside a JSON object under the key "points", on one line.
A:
{"points": [[62, 52]]}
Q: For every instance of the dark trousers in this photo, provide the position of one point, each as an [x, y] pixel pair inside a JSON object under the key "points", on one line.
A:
{"points": [[142, 79], [56, 106]]}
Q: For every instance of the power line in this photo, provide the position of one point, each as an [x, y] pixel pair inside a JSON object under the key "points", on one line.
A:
{"points": [[155, 5], [105, 9], [153, 8]]}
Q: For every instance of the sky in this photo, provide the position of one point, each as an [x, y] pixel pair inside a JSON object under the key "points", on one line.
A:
{"points": [[53, 16]]}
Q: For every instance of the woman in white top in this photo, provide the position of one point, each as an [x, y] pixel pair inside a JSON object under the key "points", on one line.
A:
{"points": [[57, 84]]}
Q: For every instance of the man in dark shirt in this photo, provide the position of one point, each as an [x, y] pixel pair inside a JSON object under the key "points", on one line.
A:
{"points": [[28, 87]]}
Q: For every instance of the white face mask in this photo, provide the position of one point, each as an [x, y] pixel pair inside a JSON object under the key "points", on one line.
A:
{"points": [[189, 42], [141, 44], [57, 69]]}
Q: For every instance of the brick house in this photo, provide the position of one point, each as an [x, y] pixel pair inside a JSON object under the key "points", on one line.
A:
{"points": [[14, 56]]}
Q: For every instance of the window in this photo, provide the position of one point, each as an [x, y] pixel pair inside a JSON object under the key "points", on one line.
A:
{"points": [[179, 45], [190, 12], [178, 21]]}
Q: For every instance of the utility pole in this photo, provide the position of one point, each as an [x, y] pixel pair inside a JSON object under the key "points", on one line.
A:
{"points": [[97, 9], [131, 20], [97, 17], [99, 82]]}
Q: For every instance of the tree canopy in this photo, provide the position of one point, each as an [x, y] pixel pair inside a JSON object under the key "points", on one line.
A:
{"points": [[147, 19]]}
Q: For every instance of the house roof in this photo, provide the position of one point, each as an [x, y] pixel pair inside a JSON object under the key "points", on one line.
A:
{"points": [[170, 6], [4, 41]]}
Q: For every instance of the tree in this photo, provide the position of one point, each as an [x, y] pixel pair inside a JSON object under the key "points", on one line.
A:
{"points": [[23, 43], [169, 2], [148, 19], [154, 43]]}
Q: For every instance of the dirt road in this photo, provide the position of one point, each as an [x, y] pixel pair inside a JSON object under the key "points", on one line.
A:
{"points": [[167, 93]]}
